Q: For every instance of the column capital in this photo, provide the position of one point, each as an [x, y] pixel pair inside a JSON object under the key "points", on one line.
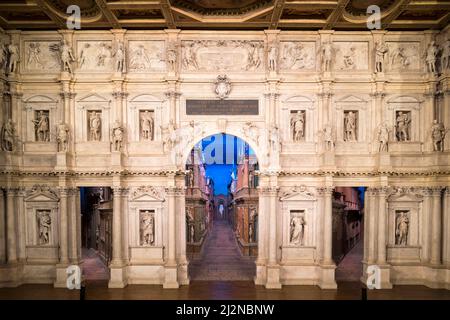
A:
{"points": [[120, 94], [436, 191], [272, 95], [119, 191], [67, 95], [174, 191], [373, 191], [63, 191], [172, 94], [269, 191], [326, 95], [378, 94], [325, 190]]}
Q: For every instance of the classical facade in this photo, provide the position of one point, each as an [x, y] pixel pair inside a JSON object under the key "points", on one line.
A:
{"points": [[321, 109]]}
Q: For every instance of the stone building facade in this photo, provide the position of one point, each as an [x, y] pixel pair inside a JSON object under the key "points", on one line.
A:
{"points": [[109, 108]]}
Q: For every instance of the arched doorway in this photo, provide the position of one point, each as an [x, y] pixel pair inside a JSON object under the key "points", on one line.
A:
{"points": [[221, 209]]}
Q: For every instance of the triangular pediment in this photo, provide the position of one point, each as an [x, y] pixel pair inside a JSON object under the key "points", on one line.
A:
{"points": [[351, 99], [298, 194], [405, 197], [299, 98], [42, 197], [145, 98], [40, 98], [404, 99], [93, 97], [147, 194]]}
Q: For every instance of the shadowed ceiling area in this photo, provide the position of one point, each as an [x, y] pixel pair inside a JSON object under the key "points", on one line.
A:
{"points": [[225, 14]]}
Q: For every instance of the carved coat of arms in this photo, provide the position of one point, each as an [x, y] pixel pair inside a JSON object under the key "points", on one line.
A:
{"points": [[223, 86]]}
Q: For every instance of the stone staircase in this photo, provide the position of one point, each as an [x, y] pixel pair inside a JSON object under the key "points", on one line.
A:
{"points": [[220, 258]]}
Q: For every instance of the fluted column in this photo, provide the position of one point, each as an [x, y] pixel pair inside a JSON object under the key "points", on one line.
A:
{"points": [[63, 231], [11, 244], [73, 216], [328, 226], [446, 223], [436, 224], [382, 226], [426, 222], [273, 225], [117, 228], [172, 95], [2, 228], [20, 224]]}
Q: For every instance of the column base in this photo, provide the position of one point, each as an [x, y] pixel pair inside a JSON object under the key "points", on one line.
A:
{"points": [[9, 276], [171, 277], [61, 276], [273, 277], [261, 274], [118, 278], [183, 277], [327, 277]]}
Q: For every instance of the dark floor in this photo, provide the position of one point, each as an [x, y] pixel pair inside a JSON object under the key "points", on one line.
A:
{"points": [[219, 290]]}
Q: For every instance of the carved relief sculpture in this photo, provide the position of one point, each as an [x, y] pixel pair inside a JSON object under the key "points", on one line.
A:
{"points": [[272, 58], [147, 228], [95, 126], [223, 86], [3, 57], [383, 138], [380, 51], [146, 56], [350, 125], [298, 55], [34, 54], [403, 55], [438, 133], [430, 57], [8, 135], [169, 135], [147, 125], [297, 228], [401, 228], [44, 226], [117, 136], [445, 56], [327, 56], [298, 125], [328, 137], [119, 56], [403, 122], [14, 58], [189, 56], [41, 126], [66, 56], [63, 137]]}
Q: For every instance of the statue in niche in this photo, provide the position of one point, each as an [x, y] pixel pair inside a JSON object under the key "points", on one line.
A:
{"points": [[44, 225], [14, 58], [102, 54], [350, 126], [251, 226], [298, 125], [117, 136], [297, 230], [380, 51], [327, 56], [41, 127], [63, 137], [349, 59], [402, 126], [438, 133], [192, 178], [328, 137], [401, 228], [383, 138], [430, 57], [119, 56], [274, 138], [8, 135], [66, 56], [400, 58], [272, 58], [95, 125], [445, 56], [83, 53], [223, 86], [147, 228], [172, 58], [190, 57], [3, 57], [147, 125], [34, 54], [191, 232]]}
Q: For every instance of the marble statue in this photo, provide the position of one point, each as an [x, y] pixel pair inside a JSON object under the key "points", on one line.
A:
{"points": [[119, 56], [191, 233], [430, 58], [172, 58], [274, 138], [383, 138], [445, 56], [63, 137], [44, 225], [297, 230], [298, 125], [3, 57], [83, 55], [66, 56], [169, 135], [350, 126], [14, 58], [8, 135], [438, 133], [117, 136], [147, 228], [147, 125], [34, 54], [401, 228], [402, 126], [251, 132], [380, 51], [41, 125], [328, 137], [327, 56], [189, 57], [95, 125], [222, 86]]}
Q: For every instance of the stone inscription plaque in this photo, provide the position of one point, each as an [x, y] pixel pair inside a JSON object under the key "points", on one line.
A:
{"points": [[222, 107]]}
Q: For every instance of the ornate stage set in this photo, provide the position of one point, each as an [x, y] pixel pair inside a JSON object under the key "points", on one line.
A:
{"points": [[321, 109]]}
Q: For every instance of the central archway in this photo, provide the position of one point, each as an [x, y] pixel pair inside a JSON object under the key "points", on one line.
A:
{"points": [[221, 206]]}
